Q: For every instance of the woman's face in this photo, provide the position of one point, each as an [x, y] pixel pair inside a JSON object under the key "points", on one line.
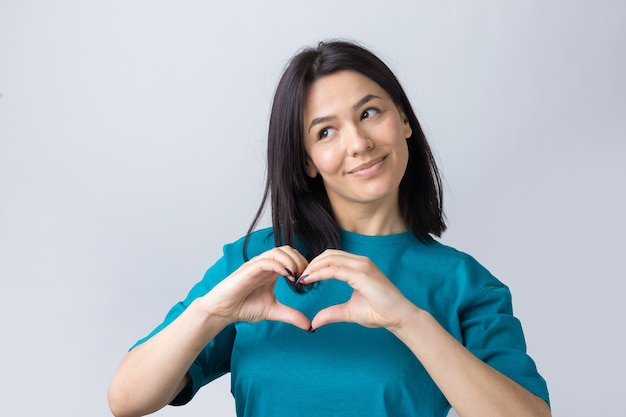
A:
{"points": [[355, 138]]}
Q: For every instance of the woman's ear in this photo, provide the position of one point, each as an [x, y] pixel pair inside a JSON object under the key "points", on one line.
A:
{"points": [[405, 124], [309, 168]]}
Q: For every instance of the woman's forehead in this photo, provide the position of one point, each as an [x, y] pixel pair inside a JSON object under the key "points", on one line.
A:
{"points": [[340, 90]]}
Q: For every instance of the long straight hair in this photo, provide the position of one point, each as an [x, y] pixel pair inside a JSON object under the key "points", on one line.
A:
{"points": [[300, 207]]}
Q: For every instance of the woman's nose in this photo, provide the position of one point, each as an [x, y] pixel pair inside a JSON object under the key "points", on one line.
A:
{"points": [[357, 140]]}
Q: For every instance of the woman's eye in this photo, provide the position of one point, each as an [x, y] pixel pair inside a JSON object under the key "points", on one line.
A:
{"points": [[324, 133], [368, 113]]}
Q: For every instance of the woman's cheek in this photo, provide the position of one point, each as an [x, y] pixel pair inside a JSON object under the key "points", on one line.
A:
{"points": [[329, 161]]}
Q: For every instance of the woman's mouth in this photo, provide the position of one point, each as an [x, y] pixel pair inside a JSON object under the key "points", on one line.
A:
{"points": [[369, 168]]}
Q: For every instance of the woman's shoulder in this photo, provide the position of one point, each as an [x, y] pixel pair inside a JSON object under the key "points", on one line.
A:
{"points": [[460, 264], [448, 253], [251, 245]]}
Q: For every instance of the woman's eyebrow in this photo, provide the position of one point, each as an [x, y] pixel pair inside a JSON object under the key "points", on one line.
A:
{"points": [[363, 101], [319, 120], [355, 107]]}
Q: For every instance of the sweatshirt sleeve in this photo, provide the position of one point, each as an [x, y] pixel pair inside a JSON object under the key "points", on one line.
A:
{"points": [[492, 333], [214, 360]]}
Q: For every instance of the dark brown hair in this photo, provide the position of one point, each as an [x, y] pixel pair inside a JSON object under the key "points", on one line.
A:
{"points": [[299, 204]]}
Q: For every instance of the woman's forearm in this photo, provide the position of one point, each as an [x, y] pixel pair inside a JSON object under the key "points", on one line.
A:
{"points": [[473, 388], [153, 373]]}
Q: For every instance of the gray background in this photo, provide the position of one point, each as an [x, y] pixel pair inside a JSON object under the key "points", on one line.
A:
{"points": [[132, 147]]}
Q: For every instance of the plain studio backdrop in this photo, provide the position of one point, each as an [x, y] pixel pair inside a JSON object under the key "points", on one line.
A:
{"points": [[132, 146]]}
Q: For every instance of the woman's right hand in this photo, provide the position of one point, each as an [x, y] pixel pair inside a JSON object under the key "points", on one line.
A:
{"points": [[248, 293], [153, 373]]}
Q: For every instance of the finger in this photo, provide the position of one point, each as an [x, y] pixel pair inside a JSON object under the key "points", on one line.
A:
{"points": [[337, 258], [330, 256], [262, 270], [299, 258], [281, 312], [334, 314], [290, 259], [276, 262], [340, 272]]}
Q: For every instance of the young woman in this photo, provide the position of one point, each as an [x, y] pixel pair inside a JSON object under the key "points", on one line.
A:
{"points": [[373, 317]]}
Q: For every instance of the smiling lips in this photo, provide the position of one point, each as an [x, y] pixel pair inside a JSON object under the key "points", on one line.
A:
{"points": [[368, 168]]}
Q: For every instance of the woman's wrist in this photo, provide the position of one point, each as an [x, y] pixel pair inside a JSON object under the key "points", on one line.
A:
{"points": [[413, 326], [206, 314]]}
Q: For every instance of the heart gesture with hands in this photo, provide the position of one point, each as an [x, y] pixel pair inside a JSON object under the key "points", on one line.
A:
{"points": [[248, 293], [375, 301]]}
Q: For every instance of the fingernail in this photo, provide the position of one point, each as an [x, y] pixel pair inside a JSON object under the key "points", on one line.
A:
{"points": [[301, 278], [289, 273]]}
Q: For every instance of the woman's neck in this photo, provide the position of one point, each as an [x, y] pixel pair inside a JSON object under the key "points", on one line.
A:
{"points": [[370, 219]]}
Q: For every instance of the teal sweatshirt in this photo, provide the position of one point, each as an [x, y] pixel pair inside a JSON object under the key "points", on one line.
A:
{"points": [[345, 369]]}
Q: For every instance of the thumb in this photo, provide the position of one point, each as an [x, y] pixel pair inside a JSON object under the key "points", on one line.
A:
{"points": [[281, 312], [333, 314]]}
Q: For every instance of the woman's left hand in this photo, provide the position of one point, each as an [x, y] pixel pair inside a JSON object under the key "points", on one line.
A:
{"points": [[375, 301]]}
